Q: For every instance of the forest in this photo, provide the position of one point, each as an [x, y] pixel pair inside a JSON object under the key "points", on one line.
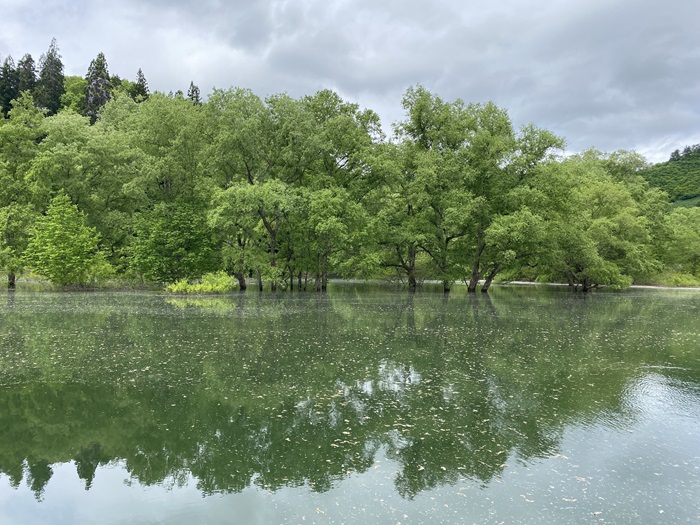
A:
{"points": [[102, 181]]}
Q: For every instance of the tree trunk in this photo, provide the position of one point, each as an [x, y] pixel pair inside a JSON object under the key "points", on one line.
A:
{"points": [[299, 281], [240, 277], [446, 286], [291, 280], [489, 279], [570, 278], [11, 280], [411, 270], [585, 285], [324, 282], [474, 281], [273, 265], [260, 281], [318, 281], [412, 283]]}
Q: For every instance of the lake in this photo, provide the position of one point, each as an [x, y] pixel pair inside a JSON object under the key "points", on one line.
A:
{"points": [[365, 405]]}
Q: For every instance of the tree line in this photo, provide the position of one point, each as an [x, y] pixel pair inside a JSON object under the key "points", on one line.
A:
{"points": [[112, 181]]}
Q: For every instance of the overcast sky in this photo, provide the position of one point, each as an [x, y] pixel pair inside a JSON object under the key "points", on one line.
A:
{"points": [[613, 74]]}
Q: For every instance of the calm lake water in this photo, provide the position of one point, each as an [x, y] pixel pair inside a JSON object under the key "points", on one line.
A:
{"points": [[362, 406]]}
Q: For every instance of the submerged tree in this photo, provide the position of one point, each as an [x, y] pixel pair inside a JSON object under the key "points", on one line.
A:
{"points": [[602, 222], [456, 177]]}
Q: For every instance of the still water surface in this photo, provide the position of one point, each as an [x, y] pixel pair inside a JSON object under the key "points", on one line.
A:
{"points": [[365, 405]]}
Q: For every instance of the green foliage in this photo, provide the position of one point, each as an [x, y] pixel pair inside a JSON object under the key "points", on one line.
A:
{"points": [[140, 90], [9, 85], [210, 283], [14, 227], [601, 228], [74, 96], [63, 248], [97, 87], [18, 149], [173, 242], [679, 177], [681, 245], [26, 73], [458, 173], [50, 85], [671, 278], [687, 203], [285, 189]]}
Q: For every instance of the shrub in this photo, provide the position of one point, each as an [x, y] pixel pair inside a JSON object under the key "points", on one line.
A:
{"points": [[215, 282]]}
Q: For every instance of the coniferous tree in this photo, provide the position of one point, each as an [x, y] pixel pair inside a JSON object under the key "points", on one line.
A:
{"points": [[9, 85], [193, 93], [97, 91], [26, 73], [50, 86], [141, 91]]}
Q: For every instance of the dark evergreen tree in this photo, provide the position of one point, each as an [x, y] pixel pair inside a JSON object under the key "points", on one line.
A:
{"points": [[193, 93], [97, 92], [26, 73], [115, 82], [9, 85], [50, 86], [141, 91]]}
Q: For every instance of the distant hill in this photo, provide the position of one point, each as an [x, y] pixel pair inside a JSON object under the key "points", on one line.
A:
{"points": [[679, 176]]}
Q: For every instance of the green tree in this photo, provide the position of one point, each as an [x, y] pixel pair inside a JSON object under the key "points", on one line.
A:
{"points": [[9, 85], [681, 247], [395, 221], [26, 73], [435, 179], [95, 166], [172, 134], [234, 217], [140, 92], [63, 248], [19, 139], [73, 97], [173, 242], [602, 229], [336, 224], [193, 94], [97, 90], [458, 172], [239, 150], [50, 85]]}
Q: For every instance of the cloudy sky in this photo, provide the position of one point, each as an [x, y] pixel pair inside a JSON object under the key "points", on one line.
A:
{"points": [[613, 74]]}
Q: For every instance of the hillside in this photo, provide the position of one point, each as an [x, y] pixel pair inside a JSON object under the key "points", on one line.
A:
{"points": [[679, 176]]}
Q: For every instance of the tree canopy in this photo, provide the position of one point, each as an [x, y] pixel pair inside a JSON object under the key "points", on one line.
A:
{"points": [[287, 191]]}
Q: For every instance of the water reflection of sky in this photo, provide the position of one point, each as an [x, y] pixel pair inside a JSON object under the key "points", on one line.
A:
{"points": [[592, 420]]}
